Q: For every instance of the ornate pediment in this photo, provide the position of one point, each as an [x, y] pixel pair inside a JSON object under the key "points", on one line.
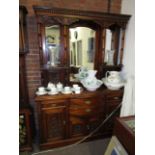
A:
{"points": [[48, 20], [69, 16]]}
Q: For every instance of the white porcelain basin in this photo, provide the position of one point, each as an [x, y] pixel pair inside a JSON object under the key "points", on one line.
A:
{"points": [[113, 86], [92, 85]]}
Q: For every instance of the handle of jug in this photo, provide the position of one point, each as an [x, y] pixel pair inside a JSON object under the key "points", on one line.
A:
{"points": [[106, 74]]}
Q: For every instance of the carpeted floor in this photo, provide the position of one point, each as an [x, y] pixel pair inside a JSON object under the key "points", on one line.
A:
{"points": [[97, 147]]}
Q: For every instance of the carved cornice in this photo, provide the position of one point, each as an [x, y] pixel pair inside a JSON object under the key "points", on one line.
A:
{"points": [[48, 20], [68, 16]]}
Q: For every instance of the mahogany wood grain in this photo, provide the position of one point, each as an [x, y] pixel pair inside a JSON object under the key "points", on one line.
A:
{"points": [[125, 135], [75, 115]]}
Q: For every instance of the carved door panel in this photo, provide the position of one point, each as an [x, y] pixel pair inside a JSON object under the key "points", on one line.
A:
{"points": [[112, 101], [53, 123], [84, 121], [85, 115], [77, 126], [93, 123], [110, 122]]}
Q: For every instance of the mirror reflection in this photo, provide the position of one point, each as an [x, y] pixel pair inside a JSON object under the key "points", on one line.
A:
{"points": [[109, 50], [52, 44], [113, 46], [82, 47]]}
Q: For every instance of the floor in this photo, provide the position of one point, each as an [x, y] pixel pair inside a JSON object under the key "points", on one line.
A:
{"points": [[97, 147]]}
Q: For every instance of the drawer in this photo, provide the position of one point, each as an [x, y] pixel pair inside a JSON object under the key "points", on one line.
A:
{"points": [[114, 96], [86, 102], [76, 111], [53, 104]]}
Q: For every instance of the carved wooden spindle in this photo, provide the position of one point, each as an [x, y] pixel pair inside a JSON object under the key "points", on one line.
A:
{"points": [[122, 46], [103, 43]]}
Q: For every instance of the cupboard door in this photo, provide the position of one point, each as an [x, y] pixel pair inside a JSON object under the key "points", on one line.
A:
{"points": [[86, 114], [110, 122], [53, 123], [83, 121], [77, 126], [113, 99]]}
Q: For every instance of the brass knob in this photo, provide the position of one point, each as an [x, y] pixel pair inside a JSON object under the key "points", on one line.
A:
{"points": [[88, 110], [116, 98], [87, 102], [53, 105]]}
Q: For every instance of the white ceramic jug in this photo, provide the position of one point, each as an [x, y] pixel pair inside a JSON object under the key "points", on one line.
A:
{"points": [[83, 72], [83, 69], [113, 76], [91, 74]]}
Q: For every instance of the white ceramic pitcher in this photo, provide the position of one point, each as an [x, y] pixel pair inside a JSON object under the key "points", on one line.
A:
{"points": [[113, 77], [91, 74]]}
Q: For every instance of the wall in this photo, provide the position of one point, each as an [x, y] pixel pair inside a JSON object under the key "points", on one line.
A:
{"points": [[128, 7], [128, 105], [32, 59]]}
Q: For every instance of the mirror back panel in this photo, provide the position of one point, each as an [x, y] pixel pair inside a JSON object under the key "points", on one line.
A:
{"points": [[63, 49]]}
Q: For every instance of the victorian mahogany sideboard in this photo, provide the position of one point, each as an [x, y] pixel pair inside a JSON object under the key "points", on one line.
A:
{"points": [[64, 119]]}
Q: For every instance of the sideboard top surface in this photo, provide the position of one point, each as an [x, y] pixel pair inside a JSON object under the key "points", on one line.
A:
{"points": [[83, 94]]}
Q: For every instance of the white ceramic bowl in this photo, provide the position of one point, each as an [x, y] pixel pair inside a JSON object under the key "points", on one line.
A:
{"points": [[113, 86], [90, 86]]}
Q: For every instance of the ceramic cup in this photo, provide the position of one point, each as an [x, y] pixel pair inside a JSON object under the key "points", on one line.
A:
{"points": [[53, 89], [67, 89], [41, 89], [75, 86], [77, 90]]}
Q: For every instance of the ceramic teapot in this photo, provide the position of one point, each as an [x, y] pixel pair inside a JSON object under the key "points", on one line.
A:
{"points": [[113, 77], [59, 86]]}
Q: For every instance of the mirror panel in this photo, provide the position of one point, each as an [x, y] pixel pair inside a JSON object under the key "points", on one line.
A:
{"points": [[52, 45], [113, 46], [108, 47], [82, 47]]}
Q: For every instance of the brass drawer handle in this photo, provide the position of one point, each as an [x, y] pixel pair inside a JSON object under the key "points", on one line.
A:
{"points": [[64, 122], [116, 98], [53, 105], [87, 102], [88, 110]]}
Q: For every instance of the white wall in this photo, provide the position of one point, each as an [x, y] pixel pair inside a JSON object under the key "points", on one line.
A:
{"points": [[128, 7], [128, 72]]}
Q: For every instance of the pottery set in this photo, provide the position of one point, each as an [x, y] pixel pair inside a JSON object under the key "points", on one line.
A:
{"points": [[91, 83], [82, 73], [53, 89], [113, 80]]}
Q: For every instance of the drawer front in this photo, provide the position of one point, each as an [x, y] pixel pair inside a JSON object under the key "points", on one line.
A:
{"points": [[76, 111], [86, 102], [53, 104], [117, 96]]}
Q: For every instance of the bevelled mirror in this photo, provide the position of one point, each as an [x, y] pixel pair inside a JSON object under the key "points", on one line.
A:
{"points": [[109, 51], [113, 46], [52, 45], [82, 48]]}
